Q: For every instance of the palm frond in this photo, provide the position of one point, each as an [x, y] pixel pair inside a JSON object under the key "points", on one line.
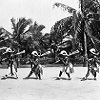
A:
{"points": [[64, 7], [14, 25], [33, 27], [89, 6], [22, 24], [40, 27]]}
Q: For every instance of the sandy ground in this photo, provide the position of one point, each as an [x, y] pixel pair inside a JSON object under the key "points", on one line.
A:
{"points": [[49, 88]]}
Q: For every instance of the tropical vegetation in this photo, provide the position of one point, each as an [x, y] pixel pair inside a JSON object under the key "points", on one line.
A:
{"points": [[85, 24], [80, 30]]}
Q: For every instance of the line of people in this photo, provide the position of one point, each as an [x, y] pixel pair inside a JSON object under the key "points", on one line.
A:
{"points": [[37, 69], [11, 58]]}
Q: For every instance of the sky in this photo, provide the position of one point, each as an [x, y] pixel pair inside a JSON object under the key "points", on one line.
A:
{"points": [[40, 11]]}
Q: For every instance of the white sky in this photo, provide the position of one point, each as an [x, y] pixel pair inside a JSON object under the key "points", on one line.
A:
{"points": [[38, 10]]}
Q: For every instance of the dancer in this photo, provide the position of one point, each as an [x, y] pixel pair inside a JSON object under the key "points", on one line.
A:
{"points": [[67, 65], [93, 65], [92, 68], [36, 68], [12, 66]]}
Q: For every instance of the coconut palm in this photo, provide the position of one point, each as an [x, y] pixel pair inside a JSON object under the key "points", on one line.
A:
{"points": [[61, 36], [36, 34], [19, 29], [4, 37], [36, 30], [62, 31], [45, 42], [86, 24]]}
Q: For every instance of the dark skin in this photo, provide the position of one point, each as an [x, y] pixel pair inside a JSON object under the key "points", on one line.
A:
{"points": [[91, 66], [34, 61]]}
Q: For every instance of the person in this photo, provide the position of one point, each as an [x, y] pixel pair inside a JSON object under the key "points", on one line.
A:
{"points": [[12, 66], [18, 57], [36, 68], [67, 65], [93, 64], [92, 68]]}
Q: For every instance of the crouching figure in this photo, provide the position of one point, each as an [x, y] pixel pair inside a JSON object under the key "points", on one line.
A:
{"points": [[36, 68], [12, 66]]}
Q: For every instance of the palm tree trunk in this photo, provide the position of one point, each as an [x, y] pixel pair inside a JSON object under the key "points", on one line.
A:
{"points": [[85, 55], [88, 30], [85, 37], [74, 24]]}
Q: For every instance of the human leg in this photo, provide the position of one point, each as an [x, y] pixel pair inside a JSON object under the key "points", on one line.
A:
{"points": [[60, 73], [31, 72], [87, 74], [94, 73], [39, 75], [68, 76]]}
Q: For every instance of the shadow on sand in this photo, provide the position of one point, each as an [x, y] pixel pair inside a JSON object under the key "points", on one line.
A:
{"points": [[30, 78], [81, 79], [3, 78], [62, 78]]}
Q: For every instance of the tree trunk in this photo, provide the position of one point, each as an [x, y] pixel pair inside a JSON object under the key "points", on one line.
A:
{"points": [[85, 37], [74, 24], [85, 55]]}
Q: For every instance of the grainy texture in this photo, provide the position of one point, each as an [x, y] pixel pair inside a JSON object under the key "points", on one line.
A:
{"points": [[49, 88]]}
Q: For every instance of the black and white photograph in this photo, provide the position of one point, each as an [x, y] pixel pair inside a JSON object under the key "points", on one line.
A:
{"points": [[49, 49]]}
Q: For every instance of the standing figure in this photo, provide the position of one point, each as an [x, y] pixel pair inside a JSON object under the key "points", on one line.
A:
{"points": [[93, 68], [67, 65], [93, 64], [36, 68], [12, 66]]}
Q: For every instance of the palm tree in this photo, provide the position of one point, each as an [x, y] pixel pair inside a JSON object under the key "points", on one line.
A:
{"points": [[62, 31], [19, 29], [86, 24], [36, 34], [4, 37], [45, 42]]}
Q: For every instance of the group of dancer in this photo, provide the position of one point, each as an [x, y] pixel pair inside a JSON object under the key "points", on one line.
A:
{"points": [[37, 69], [12, 62]]}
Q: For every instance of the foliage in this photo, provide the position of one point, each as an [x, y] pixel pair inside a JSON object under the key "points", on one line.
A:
{"points": [[62, 27], [19, 29], [45, 42], [86, 20], [64, 7], [27, 36], [36, 34], [5, 37]]}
